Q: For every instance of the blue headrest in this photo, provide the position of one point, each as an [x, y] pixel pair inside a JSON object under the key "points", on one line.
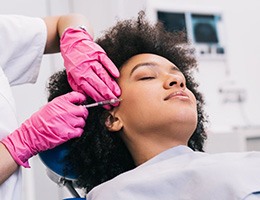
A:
{"points": [[54, 160]]}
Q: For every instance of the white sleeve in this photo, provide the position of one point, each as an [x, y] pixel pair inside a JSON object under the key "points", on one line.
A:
{"points": [[22, 43]]}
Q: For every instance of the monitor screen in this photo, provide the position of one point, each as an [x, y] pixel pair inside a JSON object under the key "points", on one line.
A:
{"points": [[204, 29], [173, 21]]}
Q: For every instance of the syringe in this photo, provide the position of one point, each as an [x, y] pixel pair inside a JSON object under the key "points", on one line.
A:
{"points": [[102, 103]]}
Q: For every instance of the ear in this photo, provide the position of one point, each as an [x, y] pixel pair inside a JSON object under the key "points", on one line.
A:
{"points": [[113, 123]]}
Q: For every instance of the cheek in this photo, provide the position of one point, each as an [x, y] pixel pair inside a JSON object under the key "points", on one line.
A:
{"points": [[134, 99], [136, 103]]}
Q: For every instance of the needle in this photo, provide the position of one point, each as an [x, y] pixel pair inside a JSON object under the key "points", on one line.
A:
{"points": [[102, 103]]}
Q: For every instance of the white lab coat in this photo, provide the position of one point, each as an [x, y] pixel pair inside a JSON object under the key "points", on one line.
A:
{"points": [[22, 42], [182, 174]]}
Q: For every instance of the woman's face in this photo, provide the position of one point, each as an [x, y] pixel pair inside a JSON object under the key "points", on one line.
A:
{"points": [[155, 99]]}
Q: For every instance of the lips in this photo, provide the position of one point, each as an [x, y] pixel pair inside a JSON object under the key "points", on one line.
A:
{"points": [[178, 94]]}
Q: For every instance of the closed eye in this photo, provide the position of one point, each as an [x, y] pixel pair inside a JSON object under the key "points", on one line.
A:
{"points": [[146, 78]]}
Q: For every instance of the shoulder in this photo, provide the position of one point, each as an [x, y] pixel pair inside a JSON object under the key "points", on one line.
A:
{"points": [[19, 21], [10, 25]]}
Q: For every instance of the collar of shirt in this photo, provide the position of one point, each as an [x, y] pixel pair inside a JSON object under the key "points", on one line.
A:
{"points": [[169, 153]]}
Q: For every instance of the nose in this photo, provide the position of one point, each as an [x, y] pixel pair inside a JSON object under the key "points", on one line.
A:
{"points": [[173, 80]]}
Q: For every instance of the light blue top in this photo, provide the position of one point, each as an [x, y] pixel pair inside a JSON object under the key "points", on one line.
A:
{"points": [[180, 173]]}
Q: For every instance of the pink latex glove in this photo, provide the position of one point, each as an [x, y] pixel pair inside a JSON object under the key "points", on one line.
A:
{"points": [[89, 69], [54, 124]]}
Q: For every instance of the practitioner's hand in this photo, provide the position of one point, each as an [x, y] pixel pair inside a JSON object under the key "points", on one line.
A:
{"points": [[89, 69], [54, 124]]}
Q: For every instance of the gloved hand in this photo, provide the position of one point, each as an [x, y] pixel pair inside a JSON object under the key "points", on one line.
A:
{"points": [[89, 69], [54, 124]]}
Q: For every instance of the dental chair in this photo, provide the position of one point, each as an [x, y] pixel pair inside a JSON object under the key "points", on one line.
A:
{"points": [[53, 159]]}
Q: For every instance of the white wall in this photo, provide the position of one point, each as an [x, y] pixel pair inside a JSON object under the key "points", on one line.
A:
{"points": [[242, 30], [241, 19]]}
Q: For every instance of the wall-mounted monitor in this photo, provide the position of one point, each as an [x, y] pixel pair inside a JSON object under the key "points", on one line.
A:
{"points": [[203, 26]]}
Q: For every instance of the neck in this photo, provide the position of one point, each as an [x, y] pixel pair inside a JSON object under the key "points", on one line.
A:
{"points": [[144, 148]]}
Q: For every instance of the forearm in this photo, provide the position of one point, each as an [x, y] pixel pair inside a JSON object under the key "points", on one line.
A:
{"points": [[7, 164], [56, 26]]}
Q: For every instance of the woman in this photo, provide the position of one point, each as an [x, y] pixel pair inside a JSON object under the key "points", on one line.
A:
{"points": [[151, 145]]}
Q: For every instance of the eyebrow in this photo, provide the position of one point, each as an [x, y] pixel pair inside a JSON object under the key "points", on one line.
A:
{"points": [[151, 64]]}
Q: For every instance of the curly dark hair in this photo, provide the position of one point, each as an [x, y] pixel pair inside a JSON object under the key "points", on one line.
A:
{"points": [[98, 155]]}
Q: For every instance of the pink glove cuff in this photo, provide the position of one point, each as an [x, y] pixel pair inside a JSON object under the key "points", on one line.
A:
{"points": [[10, 147], [72, 34]]}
